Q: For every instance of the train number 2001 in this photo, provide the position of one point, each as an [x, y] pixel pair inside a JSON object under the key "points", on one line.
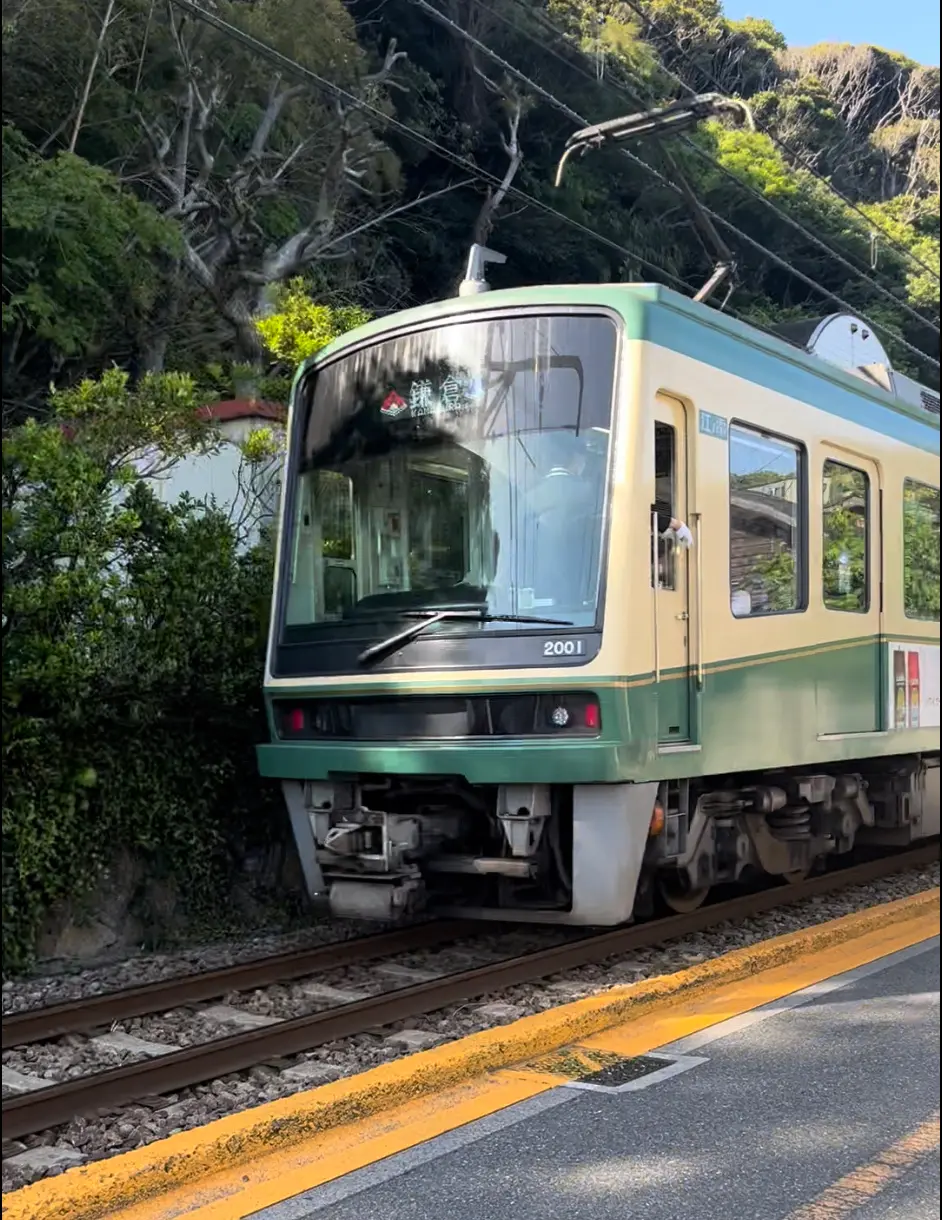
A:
{"points": [[563, 648]]}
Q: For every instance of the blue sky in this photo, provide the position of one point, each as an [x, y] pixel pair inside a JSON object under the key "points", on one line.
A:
{"points": [[910, 26]]}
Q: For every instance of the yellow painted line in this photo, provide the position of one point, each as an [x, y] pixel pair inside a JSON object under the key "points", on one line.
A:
{"points": [[281, 1175], [250, 1160], [735, 998], [867, 1181]]}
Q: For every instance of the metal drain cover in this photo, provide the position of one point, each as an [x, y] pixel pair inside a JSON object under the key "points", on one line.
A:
{"points": [[625, 1071], [584, 1067]]}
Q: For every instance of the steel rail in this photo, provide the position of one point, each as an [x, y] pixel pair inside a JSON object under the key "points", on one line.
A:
{"points": [[78, 1016], [58, 1104]]}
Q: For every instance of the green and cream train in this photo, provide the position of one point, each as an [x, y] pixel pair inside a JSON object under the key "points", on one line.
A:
{"points": [[498, 684]]}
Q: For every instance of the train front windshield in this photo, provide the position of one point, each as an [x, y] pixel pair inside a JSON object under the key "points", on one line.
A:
{"points": [[460, 466]]}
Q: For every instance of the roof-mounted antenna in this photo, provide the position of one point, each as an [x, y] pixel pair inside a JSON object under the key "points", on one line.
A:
{"points": [[667, 121], [475, 281]]}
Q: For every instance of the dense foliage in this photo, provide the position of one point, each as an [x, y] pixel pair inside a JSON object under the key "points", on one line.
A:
{"points": [[298, 327], [187, 178], [132, 637], [184, 218]]}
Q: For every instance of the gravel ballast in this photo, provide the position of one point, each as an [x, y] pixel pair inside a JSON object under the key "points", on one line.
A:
{"points": [[133, 1126], [58, 986]]}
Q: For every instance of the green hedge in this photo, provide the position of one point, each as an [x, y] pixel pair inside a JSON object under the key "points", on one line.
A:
{"points": [[133, 640]]}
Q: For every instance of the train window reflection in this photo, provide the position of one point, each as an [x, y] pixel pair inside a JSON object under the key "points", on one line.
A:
{"points": [[845, 512], [921, 550], [665, 446], [462, 465], [765, 536]]}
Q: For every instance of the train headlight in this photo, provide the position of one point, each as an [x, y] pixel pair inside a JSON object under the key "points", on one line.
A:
{"points": [[573, 713]]}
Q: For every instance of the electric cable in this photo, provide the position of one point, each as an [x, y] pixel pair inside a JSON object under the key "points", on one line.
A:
{"points": [[515, 72]]}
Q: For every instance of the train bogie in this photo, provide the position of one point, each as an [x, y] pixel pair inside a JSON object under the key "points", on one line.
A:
{"points": [[591, 854], [541, 852]]}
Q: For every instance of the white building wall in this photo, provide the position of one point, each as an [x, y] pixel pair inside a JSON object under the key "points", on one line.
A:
{"points": [[250, 494]]}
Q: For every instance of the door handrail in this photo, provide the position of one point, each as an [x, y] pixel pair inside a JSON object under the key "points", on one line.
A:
{"points": [[697, 519], [655, 584]]}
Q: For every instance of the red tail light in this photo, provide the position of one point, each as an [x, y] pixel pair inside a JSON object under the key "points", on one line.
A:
{"points": [[294, 720], [591, 716]]}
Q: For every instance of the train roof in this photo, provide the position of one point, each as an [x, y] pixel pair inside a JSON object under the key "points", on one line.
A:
{"points": [[869, 394]]}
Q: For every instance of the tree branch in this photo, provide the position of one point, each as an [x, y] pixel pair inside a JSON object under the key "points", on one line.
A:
{"points": [[93, 68], [510, 143]]}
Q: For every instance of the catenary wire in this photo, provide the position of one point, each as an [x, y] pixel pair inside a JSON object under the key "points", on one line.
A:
{"points": [[620, 87], [515, 72]]}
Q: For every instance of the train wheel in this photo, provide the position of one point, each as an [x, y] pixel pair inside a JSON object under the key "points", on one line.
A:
{"points": [[679, 897], [796, 876]]}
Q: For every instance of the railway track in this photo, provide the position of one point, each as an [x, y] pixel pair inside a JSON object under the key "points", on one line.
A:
{"points": [[178, 1069], [79, 1016]]}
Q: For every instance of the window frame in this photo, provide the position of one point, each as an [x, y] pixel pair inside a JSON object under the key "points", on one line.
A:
{"points": [[908, 481], [801, 517], [505, 648], [868, 539]]}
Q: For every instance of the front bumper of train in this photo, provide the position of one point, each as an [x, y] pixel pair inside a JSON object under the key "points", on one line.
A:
{"points": [[479, 762]]}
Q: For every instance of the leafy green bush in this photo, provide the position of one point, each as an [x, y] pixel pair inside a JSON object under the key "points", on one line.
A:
{"points": [[133, 640], [299, 327], [82, 261]]}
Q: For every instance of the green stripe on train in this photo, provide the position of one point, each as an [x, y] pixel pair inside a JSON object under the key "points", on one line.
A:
{"points": [[767, 712]]}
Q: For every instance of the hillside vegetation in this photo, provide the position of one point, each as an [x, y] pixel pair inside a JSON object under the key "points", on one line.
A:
{"points": [[162, 180]]}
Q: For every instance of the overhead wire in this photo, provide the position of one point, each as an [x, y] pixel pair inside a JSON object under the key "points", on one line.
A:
{"points": [[618, 86], [563, 108], [786, 148], [339, 93], [392, 213]]}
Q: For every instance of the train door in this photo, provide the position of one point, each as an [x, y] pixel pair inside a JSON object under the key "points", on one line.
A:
{"points": [[671, 577], [850, 687]]}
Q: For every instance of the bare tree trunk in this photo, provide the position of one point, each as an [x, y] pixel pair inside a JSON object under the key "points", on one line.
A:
{"points": [[484, 225], [487, 216], [240, 314], [154, 352]]}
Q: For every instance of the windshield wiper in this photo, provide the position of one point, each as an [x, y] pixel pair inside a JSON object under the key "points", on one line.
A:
{"points": [[430, 617]]}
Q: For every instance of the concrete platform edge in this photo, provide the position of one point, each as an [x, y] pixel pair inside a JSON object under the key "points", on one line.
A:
{"points": [[94, 1191]]}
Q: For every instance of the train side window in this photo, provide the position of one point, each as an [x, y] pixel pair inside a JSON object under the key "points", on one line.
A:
{"points": [[845, 573], [766, 543], [920, 550], [665, 448]]}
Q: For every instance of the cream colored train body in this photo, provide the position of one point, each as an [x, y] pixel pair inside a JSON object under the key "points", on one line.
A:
{"points": [[568, 738]]}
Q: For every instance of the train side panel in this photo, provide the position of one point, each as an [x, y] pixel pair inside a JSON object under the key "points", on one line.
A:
{"points": [[809, 685]]}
